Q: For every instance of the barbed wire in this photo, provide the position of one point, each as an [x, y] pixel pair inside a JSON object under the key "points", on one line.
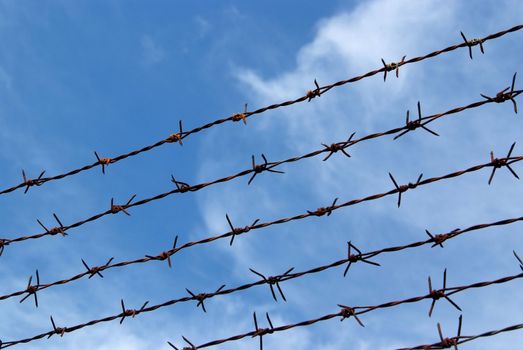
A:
{"points": [[311, 94], [346, 312], [182, 187], [91, 271], [446, 342]]}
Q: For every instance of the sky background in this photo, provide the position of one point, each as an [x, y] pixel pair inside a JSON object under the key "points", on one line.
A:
{"points": [[112, 76]]}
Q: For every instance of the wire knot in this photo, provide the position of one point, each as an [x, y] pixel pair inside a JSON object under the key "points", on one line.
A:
{"points": [[32, 182], [57, 330], [274, 281], [403, 188], [314, 93], [437, 294], [497, 163], [347, 312], [259, 168], [473, 42], [130, 312], [354, 258], [200, 297], [260, 332], [324, 210], [32, 289], [103, 161], [241, 116], [176, 137], [506, 94], [115, 208], [166, 255], [388, 67]]}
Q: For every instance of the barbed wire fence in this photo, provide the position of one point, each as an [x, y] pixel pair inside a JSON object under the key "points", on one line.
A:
{"points": [[259, 165]]}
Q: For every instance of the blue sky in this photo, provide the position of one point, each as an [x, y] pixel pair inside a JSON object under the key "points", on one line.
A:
{"points": [[111, 76]]}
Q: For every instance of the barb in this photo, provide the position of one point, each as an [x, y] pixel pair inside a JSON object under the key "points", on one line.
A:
{"points": [[237, 230], [32, 182], [274, 281], [472, 43], [313, 93], [503, 95], [497, 163], [404, 188], [32, 289], [335, 147], [437, 294], [115, 209], [243, 116], [354, 258], [202, 296], [412, 125], [260, 332], [260, 168], [392, 67], [176, 137]]}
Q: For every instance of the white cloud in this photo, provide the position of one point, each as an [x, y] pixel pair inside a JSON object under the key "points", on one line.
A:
{"points": [[152, 51]]}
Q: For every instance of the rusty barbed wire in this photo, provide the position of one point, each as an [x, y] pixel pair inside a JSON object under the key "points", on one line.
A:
{"points": [[446, 342], [182, 187], [346, 311], [311, 94], [438, 239], [434, 239]]}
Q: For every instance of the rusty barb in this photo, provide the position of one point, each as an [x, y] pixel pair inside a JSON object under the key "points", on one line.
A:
{"points": [[260, 332], [181, 186], [55, 230], [57, 330], [241, 116], [166, 255], [324, 210], [114, 208], [411, 125], [497, 163], [103, 161], [347, 312], [506, 94], [238, 230], [32, 182], [404, 188], [340, 146], [95, 270], [274, 280], [202, 296], [260, 168], [473, 42], [176, 137], [32, 289], [388, 67], [353, 258], [439, 238], [314, 93], [130, 312], [437, 294]]}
